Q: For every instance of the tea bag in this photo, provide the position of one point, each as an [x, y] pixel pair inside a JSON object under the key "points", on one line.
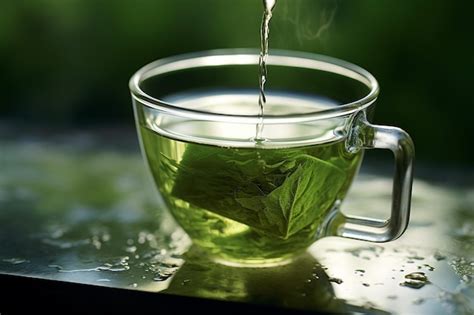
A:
{"points": [[278, 192]]}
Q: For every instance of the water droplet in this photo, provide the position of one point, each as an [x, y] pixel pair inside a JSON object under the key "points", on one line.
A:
{"points": [[15, 260], [335, 280], [308, 280], [142, 237], [369, 306], [134, 285], [129, 241], [414, 284], [131, 249], [415, 257], [65, 244], [417, 276], [161, 277], [103, 280], [55, 266], [466, 231], [185, 281], [430, 268], [58, 233], [113, 268], [418, 301], [438, 256], [415, 280], [366, 252]]}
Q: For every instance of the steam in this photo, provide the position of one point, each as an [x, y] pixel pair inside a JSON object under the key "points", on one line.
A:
{"points": [[310, 19]]}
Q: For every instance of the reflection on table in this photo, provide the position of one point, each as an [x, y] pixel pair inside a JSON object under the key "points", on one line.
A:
{"points": [[78, 211]]}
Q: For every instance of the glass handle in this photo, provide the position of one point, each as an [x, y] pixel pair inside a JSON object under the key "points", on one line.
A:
{"points": [[369, 136]]}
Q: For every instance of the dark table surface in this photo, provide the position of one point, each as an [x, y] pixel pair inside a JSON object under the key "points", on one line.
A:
{"points": [[79, 208]]}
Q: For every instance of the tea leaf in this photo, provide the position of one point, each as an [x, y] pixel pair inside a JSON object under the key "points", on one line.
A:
{"points": [[278, 192], [306, 194]]}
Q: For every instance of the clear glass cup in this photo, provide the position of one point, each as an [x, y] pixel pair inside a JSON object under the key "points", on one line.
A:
{"points": [[196, 116]]}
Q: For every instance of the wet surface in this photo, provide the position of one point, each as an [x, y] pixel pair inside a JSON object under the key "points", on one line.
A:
{"points": [[79, 211]]}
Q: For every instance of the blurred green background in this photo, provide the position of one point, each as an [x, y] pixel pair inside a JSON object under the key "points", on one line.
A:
{"points": [[67, 62]]}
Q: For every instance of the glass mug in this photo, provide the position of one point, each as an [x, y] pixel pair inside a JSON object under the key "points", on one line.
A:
{"points": [[260, 203]]}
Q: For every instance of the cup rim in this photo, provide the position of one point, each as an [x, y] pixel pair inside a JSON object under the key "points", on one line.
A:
{"points": [[229, 57]]}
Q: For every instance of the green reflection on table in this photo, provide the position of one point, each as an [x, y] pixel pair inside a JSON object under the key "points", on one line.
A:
{"points": [[88, 213]]}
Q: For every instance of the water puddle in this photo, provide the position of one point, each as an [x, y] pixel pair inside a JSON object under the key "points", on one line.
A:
{"points": [[116, 265]]}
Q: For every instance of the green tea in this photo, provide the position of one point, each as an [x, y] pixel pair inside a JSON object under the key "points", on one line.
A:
{"points": [[249, 203]]}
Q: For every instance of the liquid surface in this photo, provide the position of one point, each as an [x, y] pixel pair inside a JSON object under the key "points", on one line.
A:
{"points": [[242, 134], [248, 204]]}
